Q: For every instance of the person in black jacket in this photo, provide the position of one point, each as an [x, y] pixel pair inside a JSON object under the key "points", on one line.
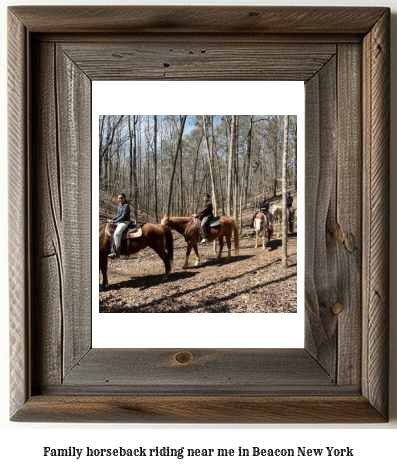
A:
{"points": [[204, 215], [290, 200], [122, 219], [264, 206]]}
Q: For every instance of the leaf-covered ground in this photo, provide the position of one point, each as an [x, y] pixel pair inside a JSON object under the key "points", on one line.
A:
{"points": [[252, 281]]}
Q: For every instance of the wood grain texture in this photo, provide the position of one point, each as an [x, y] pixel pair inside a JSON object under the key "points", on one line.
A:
{"points": [[18, 261], [338, 378], [204, 60], [246, 370], [321, 279], [199, 409], [47, 316], [346, 228], [73, 89], [62, 255], [376, 90], [198, 19]]}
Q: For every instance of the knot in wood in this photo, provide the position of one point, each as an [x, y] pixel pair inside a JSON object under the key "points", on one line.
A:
{"points": [[183, 358], [337, 308]]}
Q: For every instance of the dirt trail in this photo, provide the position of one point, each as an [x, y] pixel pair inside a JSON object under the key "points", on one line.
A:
{"points": [[252, 281]]}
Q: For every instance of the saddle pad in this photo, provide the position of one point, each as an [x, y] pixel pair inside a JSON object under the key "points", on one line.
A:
{"points": [[214, 223], [133, 233]]}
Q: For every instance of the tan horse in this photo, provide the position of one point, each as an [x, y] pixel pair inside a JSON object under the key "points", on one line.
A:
{"points": [[262, 228], [158, 237], [186, 226], [277, 212]]}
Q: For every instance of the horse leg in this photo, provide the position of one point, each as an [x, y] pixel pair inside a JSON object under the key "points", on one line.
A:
{"points": [[263, 239], [256, 239], [229, 247], [165, 258], [197, 255], [103, 267], [220, 248], [188, 250]]}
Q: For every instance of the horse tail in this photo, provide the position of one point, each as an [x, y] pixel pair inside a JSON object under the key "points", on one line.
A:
{"points": [[236, 235], [169, 243]]}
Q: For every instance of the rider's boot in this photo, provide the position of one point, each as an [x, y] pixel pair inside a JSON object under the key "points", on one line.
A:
{"points": [[115, 254]]}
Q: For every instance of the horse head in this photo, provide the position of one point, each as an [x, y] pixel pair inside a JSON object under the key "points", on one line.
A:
{"points": [[260, 221], [165, 221]]}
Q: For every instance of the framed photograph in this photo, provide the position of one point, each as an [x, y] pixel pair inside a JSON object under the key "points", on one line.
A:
{"points": [[341, 373], [227, 292]]}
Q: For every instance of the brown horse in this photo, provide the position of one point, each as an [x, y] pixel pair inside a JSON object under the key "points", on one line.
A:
{"points": [[158, 237], [186, 226], [262, 227]]}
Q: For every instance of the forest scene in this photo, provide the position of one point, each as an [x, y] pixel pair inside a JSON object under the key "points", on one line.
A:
{"points": [[165, 165]]}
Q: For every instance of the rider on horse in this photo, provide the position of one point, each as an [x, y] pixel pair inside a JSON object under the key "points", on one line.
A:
{"points": [[263, 208], [290, 199], [122, 219], [204, 215]]}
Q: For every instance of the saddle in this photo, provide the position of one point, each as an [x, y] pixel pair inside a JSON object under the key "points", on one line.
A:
{"points": [[213, 222], [133, 231]]}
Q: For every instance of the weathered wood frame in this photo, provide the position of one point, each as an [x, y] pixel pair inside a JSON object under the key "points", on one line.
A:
{"points": [[343, 56]]}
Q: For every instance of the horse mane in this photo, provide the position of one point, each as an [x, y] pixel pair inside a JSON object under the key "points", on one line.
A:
{"points": [[177, 219]]}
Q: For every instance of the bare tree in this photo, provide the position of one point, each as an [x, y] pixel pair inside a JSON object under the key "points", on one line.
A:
{"points": [[183, 121], [133, 180], [284, 259], [230, 165], [210, 161], [155, 168]]}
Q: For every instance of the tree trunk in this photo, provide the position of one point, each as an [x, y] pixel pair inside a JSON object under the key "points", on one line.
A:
{"points": [[284, 259], [210, 163], [156, 215], [275, 156], [134, 172], [230, 166], [174, 164], [235, 167], [247, 162]]}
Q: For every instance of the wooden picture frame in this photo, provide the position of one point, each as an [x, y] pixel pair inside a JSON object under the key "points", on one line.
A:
{"points": [[342, 54]]}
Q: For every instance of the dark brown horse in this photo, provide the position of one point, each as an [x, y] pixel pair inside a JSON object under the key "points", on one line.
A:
{"points": [[262, 228], [186, 226], [156, 236]]}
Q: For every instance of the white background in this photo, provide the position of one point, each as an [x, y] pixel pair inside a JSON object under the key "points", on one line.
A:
{"points": [[230, 330], [21, 444]]}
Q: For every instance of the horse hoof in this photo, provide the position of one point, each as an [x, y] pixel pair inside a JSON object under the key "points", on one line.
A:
{"points": [[197, 264], [184, 267], [102, 288]]}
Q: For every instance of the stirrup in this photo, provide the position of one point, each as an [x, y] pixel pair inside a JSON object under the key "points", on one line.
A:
{"points": [[115, 254]]}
